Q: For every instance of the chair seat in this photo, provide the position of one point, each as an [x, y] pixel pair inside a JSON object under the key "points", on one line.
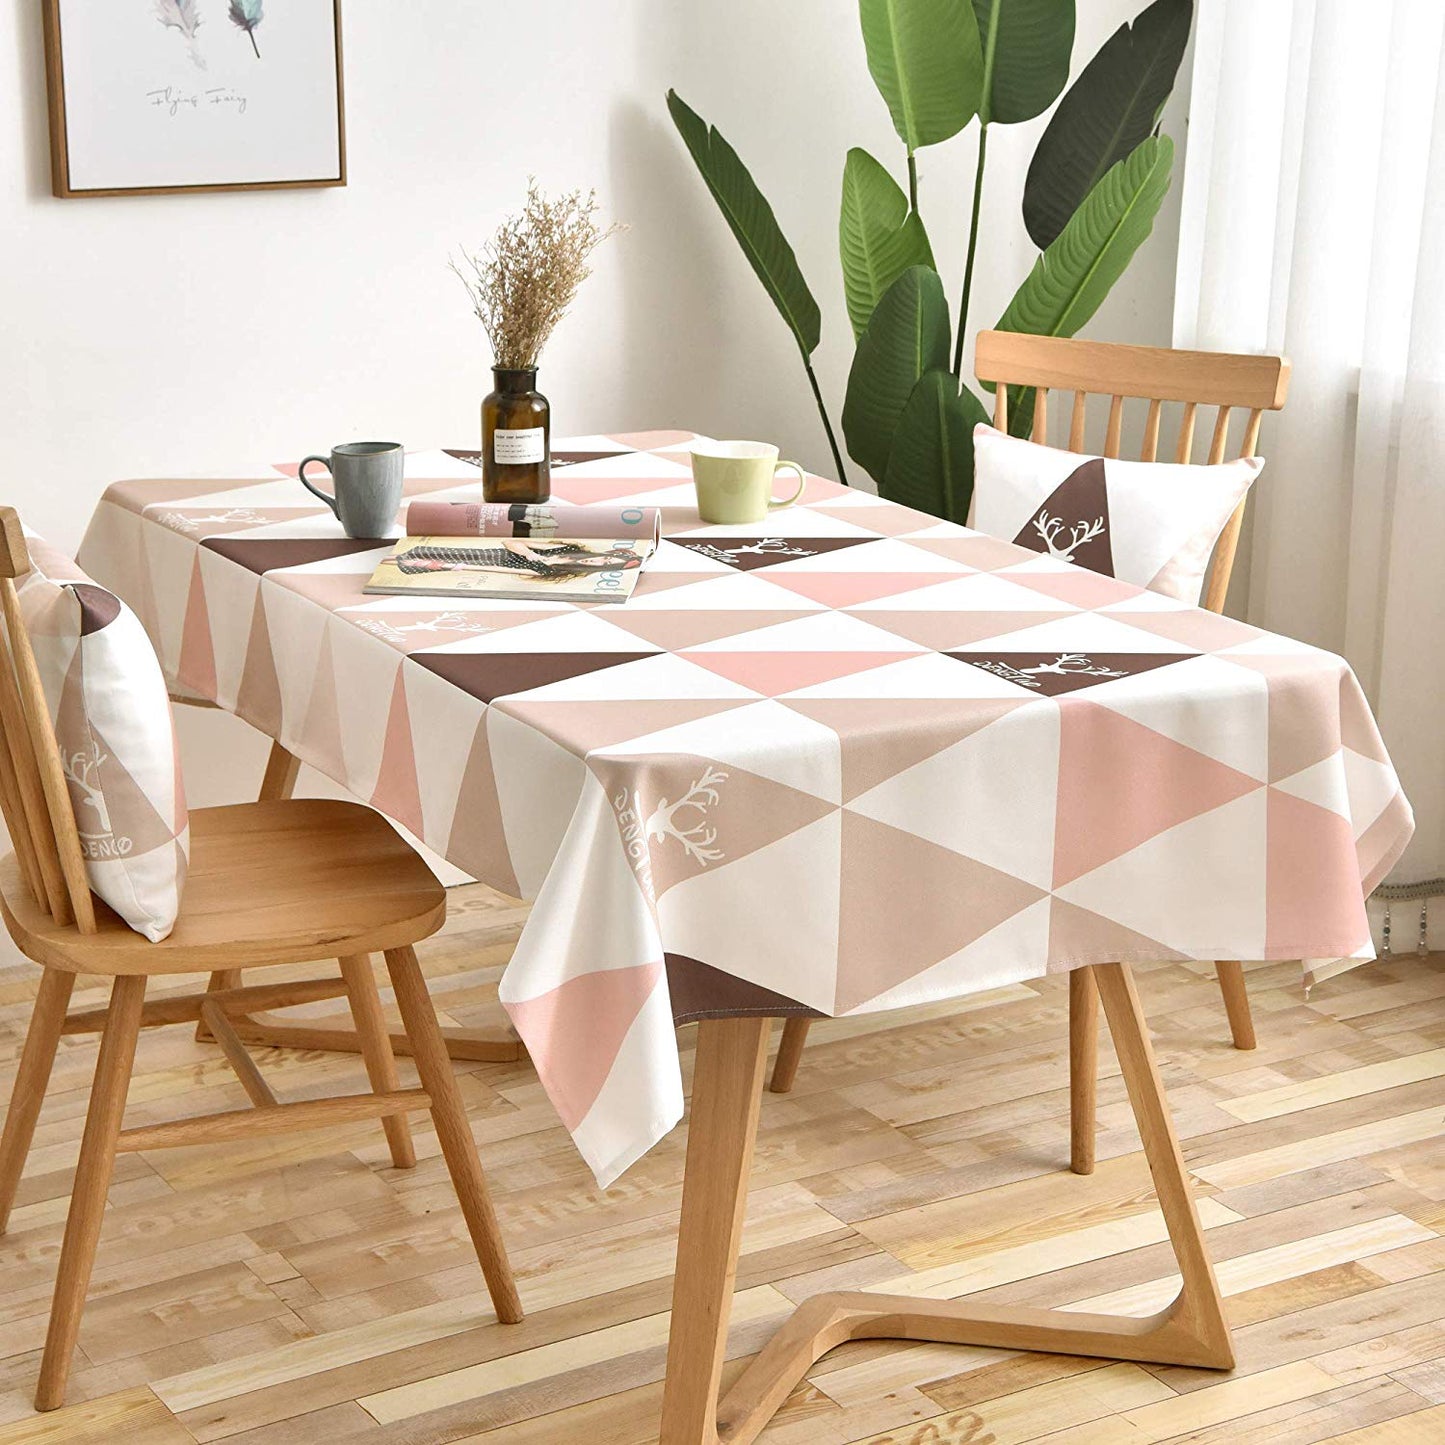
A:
{"points": [[275, 882]]}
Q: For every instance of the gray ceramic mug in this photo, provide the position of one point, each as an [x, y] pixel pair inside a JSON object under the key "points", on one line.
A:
{"points": [[367, 478]]}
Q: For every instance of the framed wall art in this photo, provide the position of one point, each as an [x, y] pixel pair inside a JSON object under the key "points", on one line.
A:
{"points": [[151, 96]]}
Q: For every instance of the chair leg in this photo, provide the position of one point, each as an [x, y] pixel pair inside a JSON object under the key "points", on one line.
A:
{"points": [[1083, 1069], [31, 1079], [790, 1054], [376, 1052], [459, 1148], [92, 1179], [1230, 973]]}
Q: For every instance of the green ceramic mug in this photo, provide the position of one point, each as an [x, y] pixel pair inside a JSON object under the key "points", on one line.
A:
{"points": [[734, 481]]}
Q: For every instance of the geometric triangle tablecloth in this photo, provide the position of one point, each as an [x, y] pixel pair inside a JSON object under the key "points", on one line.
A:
{"points": [[844, 760]]}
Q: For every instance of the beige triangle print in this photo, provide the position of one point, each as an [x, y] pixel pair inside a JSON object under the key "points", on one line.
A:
{"points": [[888, 875], [699, 814]]}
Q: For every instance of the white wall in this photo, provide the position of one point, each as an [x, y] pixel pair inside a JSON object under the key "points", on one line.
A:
{"points": [[177, 334]]}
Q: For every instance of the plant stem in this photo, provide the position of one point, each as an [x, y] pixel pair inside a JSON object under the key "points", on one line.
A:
{"points": [[827, 425], [912, 182], [972, 250]]}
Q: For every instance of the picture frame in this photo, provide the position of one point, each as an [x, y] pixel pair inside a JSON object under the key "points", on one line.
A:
{"points": [[159, 97]]}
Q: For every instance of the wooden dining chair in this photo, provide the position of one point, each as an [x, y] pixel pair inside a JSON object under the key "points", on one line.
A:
{"points": [[280, 882], [1225, 381]]}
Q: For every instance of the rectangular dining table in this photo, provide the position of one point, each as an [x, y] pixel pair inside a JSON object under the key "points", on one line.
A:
{"points": [[843, 760]]}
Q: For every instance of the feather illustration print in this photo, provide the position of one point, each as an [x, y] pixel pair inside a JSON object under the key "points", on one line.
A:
{"points": [[247, 15], [181, 15]]}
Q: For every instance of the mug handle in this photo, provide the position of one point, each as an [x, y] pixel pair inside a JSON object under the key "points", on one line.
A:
{"points": [[316, 492], [773, 502]]}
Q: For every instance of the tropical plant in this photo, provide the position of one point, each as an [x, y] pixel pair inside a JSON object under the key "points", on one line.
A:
{"points": [[1098, 176]]}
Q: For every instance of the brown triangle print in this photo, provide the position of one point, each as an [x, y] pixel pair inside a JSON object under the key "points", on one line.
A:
{"points": [[1072, 524], [749, 553], [490, 675], [265, 554], [1052, 673]]}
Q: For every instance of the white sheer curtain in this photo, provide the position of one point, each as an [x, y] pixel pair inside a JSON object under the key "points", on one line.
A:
{"points": [[1314, 224]]}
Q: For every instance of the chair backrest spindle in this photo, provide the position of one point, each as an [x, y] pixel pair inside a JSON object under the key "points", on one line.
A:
{"points": [[1115, 432], [37, 777], [1150, 449], [1041, 416], [1195, 378], [1183, 452], [1076, 422]]}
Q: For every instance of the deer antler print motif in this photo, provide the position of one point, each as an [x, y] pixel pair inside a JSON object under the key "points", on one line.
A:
{"points": [[1077, 663], [81, 769], [442, 622], [698, 839], [779, 546], [1050, 529]]}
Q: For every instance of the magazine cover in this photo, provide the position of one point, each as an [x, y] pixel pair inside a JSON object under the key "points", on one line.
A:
{"points": [[586, 569], [523, 519]]}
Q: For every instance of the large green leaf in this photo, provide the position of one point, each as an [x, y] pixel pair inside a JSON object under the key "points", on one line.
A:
{"points": [[925, 59], [1075, 273], [1026, 49], [753, 223], [1108, 110], [878, 236], [906, 336], [930, 466]]}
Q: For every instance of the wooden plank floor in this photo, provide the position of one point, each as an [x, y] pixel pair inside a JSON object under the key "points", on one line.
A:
{"points": [[302, 1292]]}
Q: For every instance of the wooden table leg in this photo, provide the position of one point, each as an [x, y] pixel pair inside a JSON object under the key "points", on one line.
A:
{"points": [[726, 1097], [1190, 1331], [1083, 1069], [1230, 973]]}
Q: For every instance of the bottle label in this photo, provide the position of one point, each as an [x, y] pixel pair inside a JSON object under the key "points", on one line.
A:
{"points": [[518, 445]]}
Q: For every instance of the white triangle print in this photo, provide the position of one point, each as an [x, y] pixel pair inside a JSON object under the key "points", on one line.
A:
{"points": [[767, 738], [1323, 784], [168, 559], [790, 522], [436, 463], [663, 676], [440, 757], [365, 674], [929, 675], [296, 626], [1025, 477], [573, 629], [972, 592], [1199, 887], [230, 601], [1085, 632], [752, 918], [1010, 953], [538, 786], [1370, 788], [821, 632], [740, 591], [1226, 717], [991, 797]]}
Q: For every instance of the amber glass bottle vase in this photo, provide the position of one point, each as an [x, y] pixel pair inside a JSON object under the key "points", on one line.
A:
{"points": [[516, 439]]}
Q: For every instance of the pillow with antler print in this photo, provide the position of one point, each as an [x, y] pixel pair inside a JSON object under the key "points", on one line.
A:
{"points": [[1150, 523], [112, 720]]}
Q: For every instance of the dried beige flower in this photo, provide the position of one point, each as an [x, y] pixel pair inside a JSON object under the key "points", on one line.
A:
{"points": [[524, 279]]}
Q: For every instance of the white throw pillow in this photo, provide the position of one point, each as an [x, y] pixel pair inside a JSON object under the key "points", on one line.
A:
{"points": [[1150, 523], [112, 722]]}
